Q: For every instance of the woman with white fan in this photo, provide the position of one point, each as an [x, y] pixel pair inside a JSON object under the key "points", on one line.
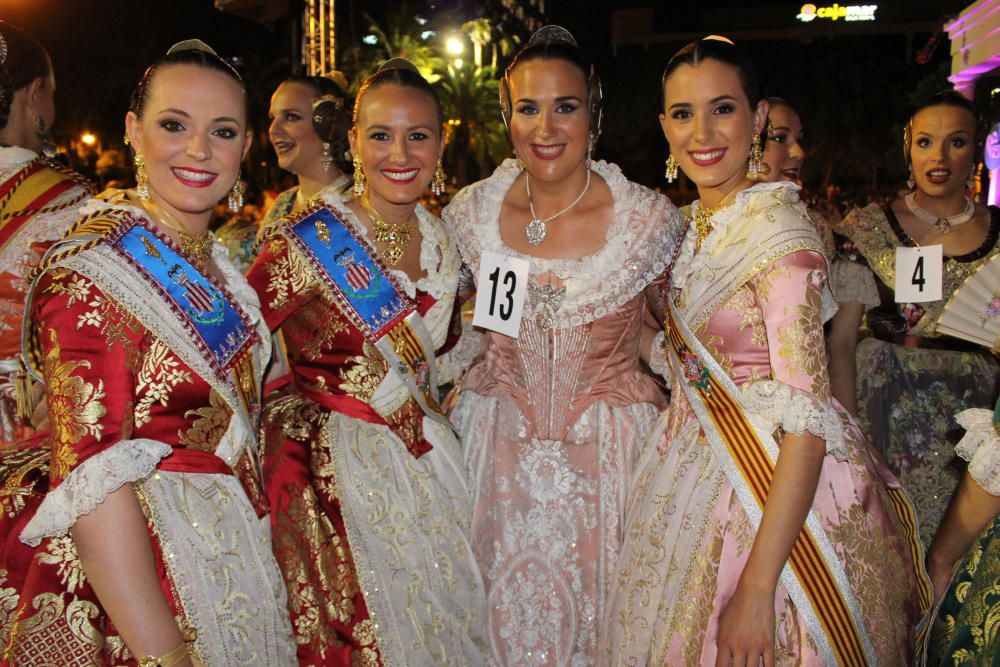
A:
{"points": [[921, 249]]}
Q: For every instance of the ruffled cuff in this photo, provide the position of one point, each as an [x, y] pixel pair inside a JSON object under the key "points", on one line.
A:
{"points": [[90, 483], [773, 404], [453, 363], [851, 281], [658, 357], [980, 446]]}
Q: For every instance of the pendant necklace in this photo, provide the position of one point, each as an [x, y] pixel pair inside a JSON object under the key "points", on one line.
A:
{"points": [[395, 236], [197, 247], [703, 217], [536, 231], [943, 225]]}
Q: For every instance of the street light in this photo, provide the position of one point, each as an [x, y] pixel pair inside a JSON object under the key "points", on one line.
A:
{"points": [[454, 46]]}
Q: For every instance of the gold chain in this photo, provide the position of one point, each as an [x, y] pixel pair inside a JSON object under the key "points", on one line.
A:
{"points": [[395, 235], [197, 247], [703, 216]]}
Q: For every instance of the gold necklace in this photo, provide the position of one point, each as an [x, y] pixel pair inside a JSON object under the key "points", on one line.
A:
{"points": [[703, 217], [197, 247], [395, 235]]}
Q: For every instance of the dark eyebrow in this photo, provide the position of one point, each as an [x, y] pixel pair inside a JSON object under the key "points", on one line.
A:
{"points": [[564, 98], [714, 100], [185, 114], [780, 127]]}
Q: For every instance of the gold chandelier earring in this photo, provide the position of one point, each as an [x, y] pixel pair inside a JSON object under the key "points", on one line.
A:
{"points": [[235, 199], [326, 160], [439, 181], [672, 167], [755, 168], [141, 177], [359, 176]]}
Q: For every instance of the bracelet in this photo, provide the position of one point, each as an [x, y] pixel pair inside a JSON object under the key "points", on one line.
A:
{"points": [[168, 659]]}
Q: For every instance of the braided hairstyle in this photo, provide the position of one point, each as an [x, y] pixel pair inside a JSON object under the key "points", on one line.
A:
{"points": [[22, 60], [331, 114]]}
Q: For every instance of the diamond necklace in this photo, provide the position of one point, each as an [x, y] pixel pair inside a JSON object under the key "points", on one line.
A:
{"points": [[943, 225], [536, 231]]}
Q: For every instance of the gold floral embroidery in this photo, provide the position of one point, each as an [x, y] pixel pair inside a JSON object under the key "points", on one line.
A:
{"points": [[802, 342], [314, 327], [159, 375], [59, 633], [73, 285], [210, 424], [19, 470], [744, 303], [289, 275], [764, 281], [364, 634], [61, 552], [74, 407], [8, 607], [361, 379]]}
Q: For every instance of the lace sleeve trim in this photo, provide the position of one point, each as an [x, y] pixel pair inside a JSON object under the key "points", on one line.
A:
{"points": [[90, 483], [980, 446], [781, 405], [658, 357], [851, 281]]}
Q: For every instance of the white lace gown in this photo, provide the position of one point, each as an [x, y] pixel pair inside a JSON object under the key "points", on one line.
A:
{"points": [[552, 422]]}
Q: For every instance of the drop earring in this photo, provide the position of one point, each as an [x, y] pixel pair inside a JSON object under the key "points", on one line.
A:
{"points": [[359, 176], [672, 167], [970, 183], [141, 177], [754, 169], [326, 161], [235, 198], [439, 180]]}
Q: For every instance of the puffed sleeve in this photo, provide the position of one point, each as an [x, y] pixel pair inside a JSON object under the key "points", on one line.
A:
{"points": [[88, 346], [282, 279], [980, 446], [796, 398]]}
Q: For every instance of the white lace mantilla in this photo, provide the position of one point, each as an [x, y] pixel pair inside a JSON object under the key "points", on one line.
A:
{"points": [[639, 247], [90, 483], [980, 446], [771, 404]]}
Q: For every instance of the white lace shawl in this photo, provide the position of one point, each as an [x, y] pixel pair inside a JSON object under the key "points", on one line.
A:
{"points": [[132, 460], [640, 243], [980, 446]]}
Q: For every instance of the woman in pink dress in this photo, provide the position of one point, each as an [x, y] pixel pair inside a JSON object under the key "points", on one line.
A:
{"points": [[553, 420], [734, 554]]}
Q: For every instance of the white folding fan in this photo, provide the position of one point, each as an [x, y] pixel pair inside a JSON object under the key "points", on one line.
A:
{"points": [[973, 312]]}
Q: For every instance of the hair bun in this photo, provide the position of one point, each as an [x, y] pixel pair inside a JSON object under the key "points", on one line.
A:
{"points": [[553, 33], [398, 63], [192, 45]]}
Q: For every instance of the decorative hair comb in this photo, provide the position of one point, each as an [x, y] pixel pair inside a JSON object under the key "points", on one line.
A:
{"points": [[398, 63], [192, 45], [718, 38], [553, 33]]}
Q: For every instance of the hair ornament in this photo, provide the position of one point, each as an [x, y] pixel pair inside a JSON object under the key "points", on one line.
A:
{"points": [[553, 33], [398, 63], [718, 38], [3, 49], [192, 45], [338, 78]]}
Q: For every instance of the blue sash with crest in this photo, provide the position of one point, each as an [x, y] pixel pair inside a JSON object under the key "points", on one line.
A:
{"points": [[369, 296]]}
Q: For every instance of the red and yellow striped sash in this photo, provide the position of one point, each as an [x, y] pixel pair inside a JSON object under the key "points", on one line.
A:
{"points": [[26, 194], [755, 465]]}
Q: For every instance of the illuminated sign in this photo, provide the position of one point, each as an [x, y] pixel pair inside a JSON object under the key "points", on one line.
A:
{"points": [[992, 153], [837, 12]]}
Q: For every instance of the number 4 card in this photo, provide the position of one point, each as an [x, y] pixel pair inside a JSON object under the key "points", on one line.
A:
{"points": [[918, 274], [500, 291]]}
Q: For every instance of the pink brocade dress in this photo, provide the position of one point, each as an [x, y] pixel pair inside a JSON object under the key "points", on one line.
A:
{"points": [[687, 536], [553, 421]]}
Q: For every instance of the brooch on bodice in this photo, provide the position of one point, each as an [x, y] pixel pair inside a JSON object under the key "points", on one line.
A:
{"points": [[546, 299]]}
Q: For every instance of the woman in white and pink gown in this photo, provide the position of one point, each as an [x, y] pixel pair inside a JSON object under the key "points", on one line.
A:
{"points": [[552, 421]]}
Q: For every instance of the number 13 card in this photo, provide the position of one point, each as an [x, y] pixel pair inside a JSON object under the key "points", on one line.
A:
{"points": [[500, 292]]}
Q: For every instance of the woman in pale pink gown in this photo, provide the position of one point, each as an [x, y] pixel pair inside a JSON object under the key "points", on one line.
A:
{"points": [[733, 554], [552, 421]]}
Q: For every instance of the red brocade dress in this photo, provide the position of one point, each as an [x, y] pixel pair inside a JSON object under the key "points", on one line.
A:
{"points": [[132, 398], [370, 506]]}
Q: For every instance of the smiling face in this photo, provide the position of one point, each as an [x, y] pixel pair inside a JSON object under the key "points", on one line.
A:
{"points": [[398, 138], [783, 151], [942, 149], [709, 125], [296, 143], [550, 118], [193, 136]]}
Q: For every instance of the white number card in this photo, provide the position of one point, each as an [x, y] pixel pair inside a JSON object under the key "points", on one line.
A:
{"points": [[501, 287], [918, 274]]}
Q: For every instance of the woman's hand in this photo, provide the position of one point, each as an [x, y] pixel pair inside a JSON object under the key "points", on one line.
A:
{"points": [[746, 628]]}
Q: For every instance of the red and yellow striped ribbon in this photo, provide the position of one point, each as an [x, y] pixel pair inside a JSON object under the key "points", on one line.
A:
{"points": [[806, 559]]}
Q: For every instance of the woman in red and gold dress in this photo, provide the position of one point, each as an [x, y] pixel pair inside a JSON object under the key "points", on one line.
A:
{"points": [[38, 198], [370, 507], [131, 532]]}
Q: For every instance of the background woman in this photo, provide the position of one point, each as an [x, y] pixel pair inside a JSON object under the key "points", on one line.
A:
{"points": [[552, 421], [39, 198], [369, 500], [716, 511], [310, 116], [913, 379], [140, 503]]}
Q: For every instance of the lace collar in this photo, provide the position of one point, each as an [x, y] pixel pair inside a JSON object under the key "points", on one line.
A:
{"points": [[688, 262], [14, 157]]}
